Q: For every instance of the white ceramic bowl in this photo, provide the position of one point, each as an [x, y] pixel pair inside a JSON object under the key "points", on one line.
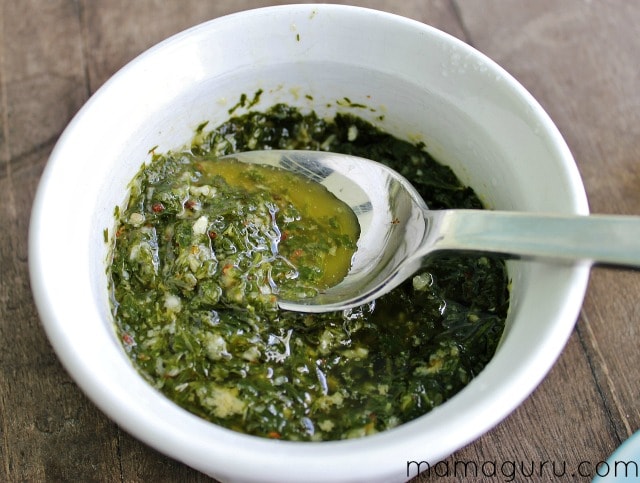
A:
{"points": [[429, 86]]}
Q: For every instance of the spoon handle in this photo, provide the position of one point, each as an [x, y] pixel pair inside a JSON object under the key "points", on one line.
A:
{"points": [[602, 239]]}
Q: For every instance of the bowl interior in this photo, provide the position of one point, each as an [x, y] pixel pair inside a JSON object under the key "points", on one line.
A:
{"points": [[416, 83]]}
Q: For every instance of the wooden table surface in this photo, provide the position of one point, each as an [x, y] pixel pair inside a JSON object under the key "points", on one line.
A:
{"points": [[579, 58]]}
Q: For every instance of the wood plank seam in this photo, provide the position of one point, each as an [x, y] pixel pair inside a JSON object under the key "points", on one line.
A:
{"points": [[588, 339]]}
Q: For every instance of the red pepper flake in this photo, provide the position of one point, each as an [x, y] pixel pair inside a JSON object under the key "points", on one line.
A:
{"points": [[119, 231], [284, 236], [128, 340], [190, 204], [213, 235], [157, 207], [274, 435]]}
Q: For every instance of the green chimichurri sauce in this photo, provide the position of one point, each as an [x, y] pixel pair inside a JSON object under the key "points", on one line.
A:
{"points": [[197, 263]]}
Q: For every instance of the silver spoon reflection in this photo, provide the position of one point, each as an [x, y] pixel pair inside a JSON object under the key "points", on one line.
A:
{"points": [[398, 230]]}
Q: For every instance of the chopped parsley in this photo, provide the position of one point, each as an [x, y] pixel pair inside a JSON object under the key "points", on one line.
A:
{"points": [[198, 260]]}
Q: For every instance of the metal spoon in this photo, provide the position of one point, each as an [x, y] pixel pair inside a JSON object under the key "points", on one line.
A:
{"points": [[398, 230]]}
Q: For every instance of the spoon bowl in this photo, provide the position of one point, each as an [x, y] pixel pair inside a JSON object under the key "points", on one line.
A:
{"points": [[398, 231]]}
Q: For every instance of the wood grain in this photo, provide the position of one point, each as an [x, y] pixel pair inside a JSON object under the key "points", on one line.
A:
{"points": [[577, 57]]}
